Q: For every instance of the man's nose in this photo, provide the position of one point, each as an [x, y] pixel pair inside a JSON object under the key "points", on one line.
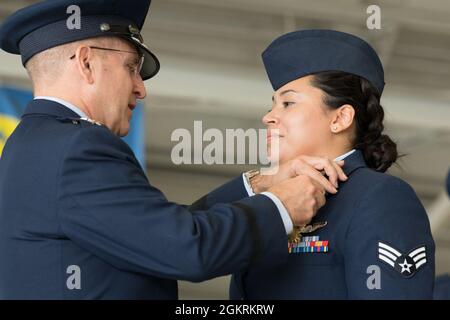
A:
{"points": [[139, 88]]}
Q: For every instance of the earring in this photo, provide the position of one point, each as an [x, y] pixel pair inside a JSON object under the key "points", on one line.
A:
{"points": [[334, 129]]}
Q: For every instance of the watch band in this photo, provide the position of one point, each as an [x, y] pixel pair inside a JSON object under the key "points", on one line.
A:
{"points": [[249, 175]]}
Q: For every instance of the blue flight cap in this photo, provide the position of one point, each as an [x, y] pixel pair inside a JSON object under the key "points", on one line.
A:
{"points": [[300, 53], [45, 25]]}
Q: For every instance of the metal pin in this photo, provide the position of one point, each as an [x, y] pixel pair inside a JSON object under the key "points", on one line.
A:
{"points": [[105, 27]]}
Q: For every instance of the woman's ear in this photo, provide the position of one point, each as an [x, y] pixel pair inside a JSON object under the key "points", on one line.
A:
{"points": [[83, 58], [342, 118]]}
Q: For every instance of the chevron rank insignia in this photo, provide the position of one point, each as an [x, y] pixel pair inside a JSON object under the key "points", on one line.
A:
{"points": [[406, 264]]}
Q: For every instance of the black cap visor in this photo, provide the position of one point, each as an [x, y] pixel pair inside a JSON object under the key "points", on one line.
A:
{"points": [[150, 66]]}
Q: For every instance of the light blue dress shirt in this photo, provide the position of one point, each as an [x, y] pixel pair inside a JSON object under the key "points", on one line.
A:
{"points": [[64, 103]]}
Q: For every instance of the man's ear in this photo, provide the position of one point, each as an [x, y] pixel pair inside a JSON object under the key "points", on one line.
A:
{"points": [[342, 118], [83, 59]]}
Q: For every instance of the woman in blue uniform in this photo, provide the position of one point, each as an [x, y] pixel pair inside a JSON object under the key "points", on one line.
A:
{"points": [[371, 240]]}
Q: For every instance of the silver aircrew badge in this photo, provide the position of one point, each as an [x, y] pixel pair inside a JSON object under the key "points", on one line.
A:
{"points": [[296, 235], [406, 264]]}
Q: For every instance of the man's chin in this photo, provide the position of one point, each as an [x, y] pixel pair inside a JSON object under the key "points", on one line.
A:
{"points": [[123, 133], [124, 130]]}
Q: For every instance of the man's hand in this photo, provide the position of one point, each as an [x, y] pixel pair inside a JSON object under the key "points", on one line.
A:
{"points": [[302, 196], [303, 165]]}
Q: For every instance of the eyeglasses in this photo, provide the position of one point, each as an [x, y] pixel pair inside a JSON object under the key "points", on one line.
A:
{"points": [[136, 71]]}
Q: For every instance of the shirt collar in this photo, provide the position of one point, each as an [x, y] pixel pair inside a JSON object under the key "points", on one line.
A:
{"points": [[345, 155], [64, 103], [353, 161]]}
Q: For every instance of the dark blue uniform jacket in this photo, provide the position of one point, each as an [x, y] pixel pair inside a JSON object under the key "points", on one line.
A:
{"points": [[379, 245], [79, 219]]}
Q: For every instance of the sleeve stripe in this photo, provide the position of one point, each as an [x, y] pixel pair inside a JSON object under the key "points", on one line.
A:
{"points": [[392, 250], [420, 256], [421, 262], [387, 254], [386, 260], [417, 251]]}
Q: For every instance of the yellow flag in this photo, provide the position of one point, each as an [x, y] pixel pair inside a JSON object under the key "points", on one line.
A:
{"points": [[7, 126]]}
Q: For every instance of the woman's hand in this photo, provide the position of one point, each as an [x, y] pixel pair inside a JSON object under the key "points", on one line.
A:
{"points": [[313, 167]]}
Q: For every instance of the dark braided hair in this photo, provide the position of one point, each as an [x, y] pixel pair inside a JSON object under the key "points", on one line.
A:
{"points": [[340, 88]]}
